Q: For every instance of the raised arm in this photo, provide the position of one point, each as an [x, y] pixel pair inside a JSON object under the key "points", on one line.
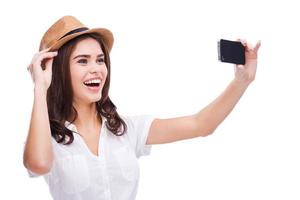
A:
{"points": [[38, 154], [207, 120]]}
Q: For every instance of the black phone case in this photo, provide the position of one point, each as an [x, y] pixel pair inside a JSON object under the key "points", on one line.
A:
{"points": [[231, 52]]}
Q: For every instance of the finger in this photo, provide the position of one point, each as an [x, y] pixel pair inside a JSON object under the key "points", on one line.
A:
{"points": [[48, 65], [29, 69], [43, 56], [257, 46], [44, 50], [243, 41], [29, 66], [36, 55]]}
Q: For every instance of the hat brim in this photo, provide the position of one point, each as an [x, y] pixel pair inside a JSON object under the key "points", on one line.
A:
{"points": [[105, 33]]}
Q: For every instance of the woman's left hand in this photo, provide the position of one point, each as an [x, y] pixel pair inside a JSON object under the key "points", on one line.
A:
{"points": [[245, 74]]}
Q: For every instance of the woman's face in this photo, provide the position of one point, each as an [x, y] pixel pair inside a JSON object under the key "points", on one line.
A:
{"points": [[88, 71]]}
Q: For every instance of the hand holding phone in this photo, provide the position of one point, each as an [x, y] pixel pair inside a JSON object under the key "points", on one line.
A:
{"points": [[231, 52]]}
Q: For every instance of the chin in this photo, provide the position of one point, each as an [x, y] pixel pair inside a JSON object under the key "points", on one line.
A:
{"points": [[95, 99]]}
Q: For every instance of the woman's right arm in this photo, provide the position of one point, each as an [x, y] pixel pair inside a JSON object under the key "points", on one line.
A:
{"points": [[38, 154]]}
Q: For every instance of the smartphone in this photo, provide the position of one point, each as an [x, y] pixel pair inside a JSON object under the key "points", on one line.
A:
{"points": [[231, 52]]}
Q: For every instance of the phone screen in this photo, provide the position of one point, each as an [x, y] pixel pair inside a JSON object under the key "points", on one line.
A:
{"points": [[231, 52]]}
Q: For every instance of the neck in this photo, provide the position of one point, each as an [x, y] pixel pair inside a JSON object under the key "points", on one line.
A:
{"points": [[87, 116]]}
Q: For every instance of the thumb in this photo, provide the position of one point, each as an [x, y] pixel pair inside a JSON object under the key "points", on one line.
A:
{"points": [[257, 46], [49, 61], [48, 65]]}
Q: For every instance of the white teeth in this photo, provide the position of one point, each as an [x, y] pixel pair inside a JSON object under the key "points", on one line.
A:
{"points": [[93, 81]]}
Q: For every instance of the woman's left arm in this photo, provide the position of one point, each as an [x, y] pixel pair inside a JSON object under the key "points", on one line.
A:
{"points": [[207, 120]]}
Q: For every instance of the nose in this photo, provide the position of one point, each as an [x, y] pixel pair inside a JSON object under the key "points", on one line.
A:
{"points": [[95, 68]]}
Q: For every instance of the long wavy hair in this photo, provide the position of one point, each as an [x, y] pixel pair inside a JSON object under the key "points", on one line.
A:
{"points": [[60, 95]]}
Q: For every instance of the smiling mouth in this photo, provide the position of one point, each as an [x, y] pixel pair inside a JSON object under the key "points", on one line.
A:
{"points": [[92, 83]]}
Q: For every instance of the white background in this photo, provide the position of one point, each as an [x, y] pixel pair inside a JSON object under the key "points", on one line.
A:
{"points": [[164, 62]]}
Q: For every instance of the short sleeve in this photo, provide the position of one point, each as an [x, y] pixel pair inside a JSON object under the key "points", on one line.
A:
{"points": [[31, 174], [138, 128]]}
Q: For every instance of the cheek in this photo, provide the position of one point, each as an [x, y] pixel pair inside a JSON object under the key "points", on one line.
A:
{"points": [[75, 84], [105, 73], [76, 78]]}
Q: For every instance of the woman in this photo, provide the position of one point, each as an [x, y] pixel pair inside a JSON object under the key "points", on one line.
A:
{"points": [[77, 140]]}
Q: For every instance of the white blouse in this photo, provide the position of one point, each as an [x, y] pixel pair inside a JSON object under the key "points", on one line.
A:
{"points": [[79, 174]]}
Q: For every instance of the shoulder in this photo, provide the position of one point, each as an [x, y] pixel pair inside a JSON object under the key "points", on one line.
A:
{"points": [[134, 120]]}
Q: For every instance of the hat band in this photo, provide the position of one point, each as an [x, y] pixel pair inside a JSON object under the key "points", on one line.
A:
{"points": [[75, 31]]}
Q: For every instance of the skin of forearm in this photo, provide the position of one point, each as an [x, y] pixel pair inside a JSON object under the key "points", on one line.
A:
{"points": [[38, 154], [213, 114]]}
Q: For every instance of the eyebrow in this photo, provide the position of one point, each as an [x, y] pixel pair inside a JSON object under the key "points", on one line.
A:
{"points": [[87, 56]]}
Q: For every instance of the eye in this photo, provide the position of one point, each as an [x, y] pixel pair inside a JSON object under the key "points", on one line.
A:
{"points": [[100, 60], [83, 61]]}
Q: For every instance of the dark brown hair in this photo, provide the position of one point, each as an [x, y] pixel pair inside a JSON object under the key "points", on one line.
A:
{"points": [[60, 95]]}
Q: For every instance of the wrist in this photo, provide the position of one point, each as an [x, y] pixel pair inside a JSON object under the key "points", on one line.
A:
{"points": [[39, 89], [241, 83]]}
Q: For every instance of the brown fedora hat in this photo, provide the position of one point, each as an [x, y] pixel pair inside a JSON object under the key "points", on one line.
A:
{"points": [[67, 28]]}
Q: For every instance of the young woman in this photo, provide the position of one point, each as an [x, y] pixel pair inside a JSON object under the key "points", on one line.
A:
{"points": [[77, 140]]}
